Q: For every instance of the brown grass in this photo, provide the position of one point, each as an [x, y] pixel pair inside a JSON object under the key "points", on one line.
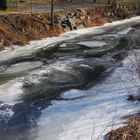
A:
{"points": [[17, 29], [131, 130]]}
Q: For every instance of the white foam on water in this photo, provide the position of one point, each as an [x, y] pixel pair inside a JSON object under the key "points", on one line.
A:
{"points": [[61, 65], [10, 91]]}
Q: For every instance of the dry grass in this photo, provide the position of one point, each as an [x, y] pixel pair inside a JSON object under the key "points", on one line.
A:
{"points": [[131, 130]]}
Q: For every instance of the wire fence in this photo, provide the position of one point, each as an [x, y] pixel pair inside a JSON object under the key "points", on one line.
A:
{"points": [[45, 5], [32, 5], [19, 5]]}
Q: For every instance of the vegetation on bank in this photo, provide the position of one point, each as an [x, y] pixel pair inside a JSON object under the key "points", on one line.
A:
{"points": [[20, 29], [130, 130]]}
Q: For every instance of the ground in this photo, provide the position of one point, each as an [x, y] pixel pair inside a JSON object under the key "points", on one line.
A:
{"points": [[45, 7], [131, 130]]}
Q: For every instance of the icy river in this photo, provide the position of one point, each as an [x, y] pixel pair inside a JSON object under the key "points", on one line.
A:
{"points": [[71, 87]]}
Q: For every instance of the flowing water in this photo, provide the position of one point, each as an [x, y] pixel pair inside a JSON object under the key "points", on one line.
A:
{"points": [[76, 113]]}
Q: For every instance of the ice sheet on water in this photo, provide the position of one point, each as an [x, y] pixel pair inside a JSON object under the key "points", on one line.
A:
{"points": [[76, 119], [34, 46], [22, 67], [92, 44], [73, 94]]}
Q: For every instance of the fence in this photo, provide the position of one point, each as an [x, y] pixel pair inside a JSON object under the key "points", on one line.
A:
{"points": [[44, 5]]}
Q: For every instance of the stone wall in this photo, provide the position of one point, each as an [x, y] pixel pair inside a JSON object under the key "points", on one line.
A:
{"points": [[81, 18]]}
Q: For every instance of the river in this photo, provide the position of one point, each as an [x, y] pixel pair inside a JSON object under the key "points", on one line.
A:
{"points": [[69, 87]]}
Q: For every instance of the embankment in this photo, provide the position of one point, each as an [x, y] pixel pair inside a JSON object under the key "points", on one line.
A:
{"points": [[19, 29]]}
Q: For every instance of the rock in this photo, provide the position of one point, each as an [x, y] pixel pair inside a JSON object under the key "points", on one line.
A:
{"points": [[71, 15], [88, 18], [82, 12], [82, 17], [88, 23], [72, 22], [81, 26], [67, 29], [77, 21], [62, 17], [1, 42], [108, 14], [69, 23], [64, 24]]}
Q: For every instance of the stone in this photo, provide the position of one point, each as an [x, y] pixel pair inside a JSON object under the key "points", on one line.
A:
{"points": [[1, 42], [88, 18], [88, 23], [108, 14], [72, 22], [82, 12], [67, 29], [81, 26], [72, 14], [77, 21], [69, 23], [62, 17], [82, 17], [64, 24]]}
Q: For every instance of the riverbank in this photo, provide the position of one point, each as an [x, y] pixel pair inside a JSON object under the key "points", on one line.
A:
{"points": [[19, 29], [130, 130]]}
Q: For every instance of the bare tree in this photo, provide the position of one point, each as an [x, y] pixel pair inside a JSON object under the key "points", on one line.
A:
{"points": [[3, 4], [52, 12], [108, 2]]}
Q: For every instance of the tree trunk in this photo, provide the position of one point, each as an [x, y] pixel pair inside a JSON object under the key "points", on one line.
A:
{"points": [[108, 2], [3, 4], [52, 12]]}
